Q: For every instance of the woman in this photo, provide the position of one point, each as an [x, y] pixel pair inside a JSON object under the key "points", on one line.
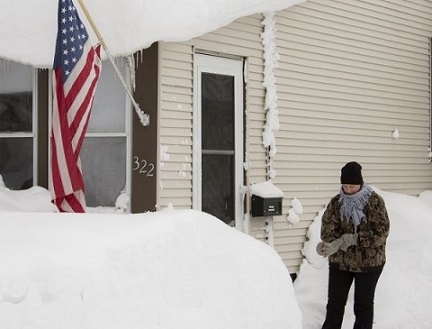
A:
{"points": [[354, 230]]}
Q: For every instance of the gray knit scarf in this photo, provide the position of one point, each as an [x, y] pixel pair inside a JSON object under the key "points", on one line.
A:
{"points": [[352, 205]]}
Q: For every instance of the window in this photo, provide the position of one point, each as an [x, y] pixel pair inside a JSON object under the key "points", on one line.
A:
{"points": [[105, 147], [16, 125]]}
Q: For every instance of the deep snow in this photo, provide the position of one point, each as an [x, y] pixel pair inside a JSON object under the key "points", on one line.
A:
{"points": [[404, 290], [186, 269], [170, 269]]}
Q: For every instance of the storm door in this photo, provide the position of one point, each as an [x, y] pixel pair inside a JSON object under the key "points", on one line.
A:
{"points": [[218, 138]]}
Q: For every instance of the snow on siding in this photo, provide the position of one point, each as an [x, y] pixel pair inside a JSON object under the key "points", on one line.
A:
{"points": [[242, 39], [349, 74]]}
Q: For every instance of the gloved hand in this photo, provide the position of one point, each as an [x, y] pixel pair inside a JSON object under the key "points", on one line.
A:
{"points": [[328, 248], [348, 240]]}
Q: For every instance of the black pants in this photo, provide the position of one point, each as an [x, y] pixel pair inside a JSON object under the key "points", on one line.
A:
{"points": [[364, 292]]}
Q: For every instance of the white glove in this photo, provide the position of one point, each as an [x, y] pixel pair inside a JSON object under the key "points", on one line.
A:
{"points": [[348, 240], [328, 248]]}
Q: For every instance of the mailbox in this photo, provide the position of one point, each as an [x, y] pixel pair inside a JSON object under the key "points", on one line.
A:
{"points": [[266, 206]]}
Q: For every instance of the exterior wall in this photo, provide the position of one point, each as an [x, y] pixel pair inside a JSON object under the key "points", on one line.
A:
{"points": [[144, 185], [350, 73], [241, 38], [176, 124]]}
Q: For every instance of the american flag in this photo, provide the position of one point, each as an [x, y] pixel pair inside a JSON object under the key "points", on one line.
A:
{"points": [[76, 71]]}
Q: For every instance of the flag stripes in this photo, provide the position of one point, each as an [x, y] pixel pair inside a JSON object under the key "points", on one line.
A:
{"points": [[77, 68]]}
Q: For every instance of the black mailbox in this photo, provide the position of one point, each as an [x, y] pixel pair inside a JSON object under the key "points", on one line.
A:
{"points": [[266, 206]]}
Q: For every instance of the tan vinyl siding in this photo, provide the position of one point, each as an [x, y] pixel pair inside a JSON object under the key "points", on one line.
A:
{"points": [[350, 73], [241, 38], [176, 126]]}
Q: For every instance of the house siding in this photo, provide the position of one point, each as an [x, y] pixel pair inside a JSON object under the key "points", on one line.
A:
{"points": [[349, 74], [241, 39], [176, 122]]}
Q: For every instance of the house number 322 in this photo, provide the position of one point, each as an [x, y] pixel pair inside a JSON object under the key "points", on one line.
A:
{"points": [[143, 167]]}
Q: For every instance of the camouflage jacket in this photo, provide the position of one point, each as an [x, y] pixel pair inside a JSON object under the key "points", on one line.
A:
{"points": [[373, 232]]}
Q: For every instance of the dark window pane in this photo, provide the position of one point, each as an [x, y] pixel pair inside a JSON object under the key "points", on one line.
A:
{"points": [[16, 162], [16, 112], [104, 169], [218, 186], [217, 112]]}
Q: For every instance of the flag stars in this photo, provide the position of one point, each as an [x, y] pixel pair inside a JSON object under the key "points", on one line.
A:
{"points": [[73, 36]]}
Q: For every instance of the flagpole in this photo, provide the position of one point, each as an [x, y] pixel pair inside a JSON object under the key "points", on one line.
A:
{"points": [[144, 118]]}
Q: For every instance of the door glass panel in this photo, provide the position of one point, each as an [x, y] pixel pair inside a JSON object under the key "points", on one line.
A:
{"points": [[218, 186], [218, 172], [103, 161], [217, 112]]}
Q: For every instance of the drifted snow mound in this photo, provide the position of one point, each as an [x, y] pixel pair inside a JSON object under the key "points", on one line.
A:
{"points": [[170, 269], [35, 198], [404, 289]]}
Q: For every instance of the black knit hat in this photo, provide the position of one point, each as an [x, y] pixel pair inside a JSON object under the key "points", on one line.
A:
{"points": [[351, 174]]}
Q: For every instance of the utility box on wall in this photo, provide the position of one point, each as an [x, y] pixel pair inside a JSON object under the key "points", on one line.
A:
{"points": [[266, 206]]}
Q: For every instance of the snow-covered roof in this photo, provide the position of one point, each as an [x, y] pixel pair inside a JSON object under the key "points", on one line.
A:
{"points": [[29, 28]]}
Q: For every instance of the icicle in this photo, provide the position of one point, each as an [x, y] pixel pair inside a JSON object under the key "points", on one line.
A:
{"points": [[130, 62], [4, 66]]}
